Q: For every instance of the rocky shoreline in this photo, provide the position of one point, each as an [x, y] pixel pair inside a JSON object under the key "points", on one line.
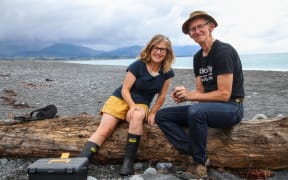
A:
{"points": [[74, 88]]}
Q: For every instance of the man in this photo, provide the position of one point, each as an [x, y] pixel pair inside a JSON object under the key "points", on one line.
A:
{"points": [[219, 94]]}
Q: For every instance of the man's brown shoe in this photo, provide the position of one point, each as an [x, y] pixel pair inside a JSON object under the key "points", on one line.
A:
{"points": [[198, 170], [194, 172]]}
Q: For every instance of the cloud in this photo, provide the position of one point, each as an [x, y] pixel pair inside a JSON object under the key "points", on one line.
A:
{"points": [[248, 25]]}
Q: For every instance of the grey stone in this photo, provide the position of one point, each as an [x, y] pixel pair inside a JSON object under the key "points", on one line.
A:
{"points": [[150, 170], [3, 161]]}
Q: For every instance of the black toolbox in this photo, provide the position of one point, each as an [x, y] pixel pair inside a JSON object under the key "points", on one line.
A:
{"points": [[59, 169]]}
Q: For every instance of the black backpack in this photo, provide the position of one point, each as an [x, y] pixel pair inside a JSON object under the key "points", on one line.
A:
{"points": [[47, 112]]}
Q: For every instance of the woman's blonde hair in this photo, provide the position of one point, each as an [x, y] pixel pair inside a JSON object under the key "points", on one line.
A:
{"points": [[145, 54]]}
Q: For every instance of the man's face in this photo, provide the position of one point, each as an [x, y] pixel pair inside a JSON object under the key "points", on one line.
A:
{"points": [[199, 29]]}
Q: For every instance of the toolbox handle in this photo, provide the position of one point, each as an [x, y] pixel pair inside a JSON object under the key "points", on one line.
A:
{"points": [[64, 159], [59, 161]]}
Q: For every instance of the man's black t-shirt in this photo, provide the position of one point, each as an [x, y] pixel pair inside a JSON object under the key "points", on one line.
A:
{"points": [[222, 59]]}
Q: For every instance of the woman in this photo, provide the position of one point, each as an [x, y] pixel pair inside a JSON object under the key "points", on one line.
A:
{"points": [[147, 76]]}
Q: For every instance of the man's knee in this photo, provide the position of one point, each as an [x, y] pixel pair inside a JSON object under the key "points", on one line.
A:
{"points": [[196, 115]]}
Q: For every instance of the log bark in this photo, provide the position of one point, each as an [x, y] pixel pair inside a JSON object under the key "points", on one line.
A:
{"points": [[254, 143]]}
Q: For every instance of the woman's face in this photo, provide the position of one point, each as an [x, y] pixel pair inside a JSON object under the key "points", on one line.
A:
{"points": [[158, 52]]}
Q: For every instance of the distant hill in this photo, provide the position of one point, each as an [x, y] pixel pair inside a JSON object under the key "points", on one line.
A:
{"points": [[66, 51], [62, 51]]}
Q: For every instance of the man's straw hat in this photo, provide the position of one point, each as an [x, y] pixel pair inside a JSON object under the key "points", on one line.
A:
{"points": [[194, 15]]}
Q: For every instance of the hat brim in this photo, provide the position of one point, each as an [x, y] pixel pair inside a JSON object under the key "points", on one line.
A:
{"points": [[185, 25]]}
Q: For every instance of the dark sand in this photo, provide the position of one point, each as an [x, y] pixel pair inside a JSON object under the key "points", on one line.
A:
{"points": [[78, 88]]}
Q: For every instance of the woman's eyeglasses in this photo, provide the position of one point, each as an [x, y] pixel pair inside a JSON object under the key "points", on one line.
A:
{"points": [[158, 49]]}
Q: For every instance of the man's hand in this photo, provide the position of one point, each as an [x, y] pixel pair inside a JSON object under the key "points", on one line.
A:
{"points": [[178, 94]]}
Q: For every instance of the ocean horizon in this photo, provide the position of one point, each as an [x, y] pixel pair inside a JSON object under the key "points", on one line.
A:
{"points": [[260, 62]]}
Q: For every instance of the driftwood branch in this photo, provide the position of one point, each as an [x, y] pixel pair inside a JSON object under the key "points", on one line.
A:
{"points": [[254, 143]]}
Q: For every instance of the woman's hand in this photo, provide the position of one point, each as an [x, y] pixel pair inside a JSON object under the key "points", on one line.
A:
{"points": [[151, 118], [131, 111]]}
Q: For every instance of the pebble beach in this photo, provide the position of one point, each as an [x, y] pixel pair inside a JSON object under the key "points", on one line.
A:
{"points": [[76, 88]]}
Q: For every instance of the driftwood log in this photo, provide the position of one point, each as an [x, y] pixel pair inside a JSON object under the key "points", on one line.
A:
{"points": [[254, 143]]}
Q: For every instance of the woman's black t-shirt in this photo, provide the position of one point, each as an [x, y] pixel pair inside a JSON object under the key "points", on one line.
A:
{"points": [[146, 85]]}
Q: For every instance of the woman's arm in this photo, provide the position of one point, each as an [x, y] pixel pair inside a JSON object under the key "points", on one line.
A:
{"points": [[128, 82]]}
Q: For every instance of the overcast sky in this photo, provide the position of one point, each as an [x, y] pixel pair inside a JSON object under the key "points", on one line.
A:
{"points": [[251, 26]]}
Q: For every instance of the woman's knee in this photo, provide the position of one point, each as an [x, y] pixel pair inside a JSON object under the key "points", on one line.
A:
{"points": [[138, 117]]}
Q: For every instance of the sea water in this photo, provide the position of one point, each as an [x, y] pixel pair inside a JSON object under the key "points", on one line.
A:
{"points": [[265, 62]]}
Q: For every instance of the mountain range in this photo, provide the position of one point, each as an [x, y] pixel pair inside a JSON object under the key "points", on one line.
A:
{"points": [[71, 51]]}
